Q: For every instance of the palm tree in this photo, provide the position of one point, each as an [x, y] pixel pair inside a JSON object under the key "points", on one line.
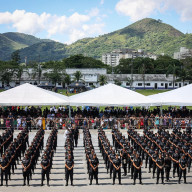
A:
{"points": [[174, 70], [78, 76], [67, 79], [37, 72], [102, 80], [19, 72]]}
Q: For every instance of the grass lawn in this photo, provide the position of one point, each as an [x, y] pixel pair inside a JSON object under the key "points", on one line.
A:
{"points": [[147, 92]]}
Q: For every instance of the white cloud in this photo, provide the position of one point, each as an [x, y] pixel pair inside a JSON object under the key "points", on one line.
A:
{"points": [[72, 27], [139, 9]]}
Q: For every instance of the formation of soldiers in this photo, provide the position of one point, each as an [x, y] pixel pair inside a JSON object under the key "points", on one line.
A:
{"points": [[12, 153], [47, 156], [161, 152], [31, 156], [91, 157], [69, 157], [5, 139]]}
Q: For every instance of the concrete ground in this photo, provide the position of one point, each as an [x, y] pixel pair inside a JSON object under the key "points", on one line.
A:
{"points": [[81, 182]]}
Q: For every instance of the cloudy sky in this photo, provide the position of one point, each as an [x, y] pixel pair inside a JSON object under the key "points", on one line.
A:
{"points": [[69, 20]]}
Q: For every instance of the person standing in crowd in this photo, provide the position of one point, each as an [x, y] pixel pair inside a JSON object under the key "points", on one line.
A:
{"points": [[182, 168], [117, 169], [94, 163], [28, 123], [45, 164], [137, 163], [69, 164], [160, 168]]}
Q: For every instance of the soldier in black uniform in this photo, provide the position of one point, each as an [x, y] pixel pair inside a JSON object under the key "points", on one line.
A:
{"points": [[117, 169], [124, 158], [69, 164], [160, 168], [94, 163], [137, 163], [111, 158], [132, 156], [151, 152], [45, 164], [167, 166], [76, 135], [26, 169], [154, 158], [182, 168], [175, 158], [189, 158], [4, 169], [146, 154]]}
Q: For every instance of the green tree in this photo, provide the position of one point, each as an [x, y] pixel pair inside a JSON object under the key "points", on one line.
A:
{"points": [[37, 72], [6, 71], [102, 80], [67, 79], [78, 76], [117, 82], [55, 76], [19, 72], [15, 58]]}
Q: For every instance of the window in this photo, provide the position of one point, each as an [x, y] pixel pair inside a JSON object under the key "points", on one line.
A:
{"points": [[170, 84], [185, 83], [148, 84], [59, 83], [127, 84], [162, 84], [176, 84], [140, 84], [90, 84]]}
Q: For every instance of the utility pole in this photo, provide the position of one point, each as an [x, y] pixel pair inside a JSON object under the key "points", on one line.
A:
{"points": [[39, 70], [174, 76], [132, 72]]}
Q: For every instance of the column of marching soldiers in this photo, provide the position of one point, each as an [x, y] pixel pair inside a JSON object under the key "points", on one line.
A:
{"points": [[162, 151], [14, 150]]}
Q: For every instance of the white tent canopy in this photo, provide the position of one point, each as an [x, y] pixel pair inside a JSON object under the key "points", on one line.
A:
{"points": [[180, 97], [110, 95], [28, 94]]}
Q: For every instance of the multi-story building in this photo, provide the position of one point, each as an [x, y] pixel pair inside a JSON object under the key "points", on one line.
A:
{"points": [[183, 53], [114, 57]]}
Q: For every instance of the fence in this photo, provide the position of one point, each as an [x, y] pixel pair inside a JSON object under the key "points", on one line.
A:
{"points": [[93, 123]]}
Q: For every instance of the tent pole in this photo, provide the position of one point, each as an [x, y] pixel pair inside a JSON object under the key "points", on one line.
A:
{"points": [[161, 110], [69, 111]]}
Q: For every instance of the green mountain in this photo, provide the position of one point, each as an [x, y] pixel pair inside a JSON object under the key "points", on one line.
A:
{"points": [[148, 34], [44, 51], [10, 42]]}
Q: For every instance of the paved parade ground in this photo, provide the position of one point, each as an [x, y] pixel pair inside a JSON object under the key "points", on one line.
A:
{"points": [[81, 181]]}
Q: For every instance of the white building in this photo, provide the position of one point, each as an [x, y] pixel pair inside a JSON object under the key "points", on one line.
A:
{"points": [[183, 53], [114, 57], [147, 81], [91, 77]]}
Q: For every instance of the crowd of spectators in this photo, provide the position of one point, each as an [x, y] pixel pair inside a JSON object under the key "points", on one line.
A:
{"points": [[20, 117]]}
